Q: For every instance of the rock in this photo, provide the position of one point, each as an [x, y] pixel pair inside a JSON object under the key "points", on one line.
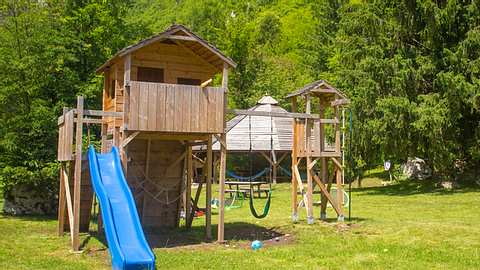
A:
{"points": [[416, 168], [25, 200], [449, 185]]}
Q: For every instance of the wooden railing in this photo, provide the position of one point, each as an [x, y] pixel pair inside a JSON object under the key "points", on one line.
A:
{"points": [[175, 108], [316, 149]]}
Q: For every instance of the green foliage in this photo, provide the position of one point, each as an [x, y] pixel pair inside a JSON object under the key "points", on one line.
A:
{"points": [[48, 53], [411, 68]]}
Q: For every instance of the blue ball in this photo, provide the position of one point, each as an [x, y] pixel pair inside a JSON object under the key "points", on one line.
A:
{"points": [[256, 245]]}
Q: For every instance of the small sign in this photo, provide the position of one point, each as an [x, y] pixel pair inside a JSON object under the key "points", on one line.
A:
{"points": [[387, 165]]}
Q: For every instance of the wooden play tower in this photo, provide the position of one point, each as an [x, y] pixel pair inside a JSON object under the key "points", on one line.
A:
{"points": [[157, 105], [310, 143]]}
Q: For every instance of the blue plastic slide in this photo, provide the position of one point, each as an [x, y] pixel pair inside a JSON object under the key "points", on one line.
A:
{"points": [[126, 242]]}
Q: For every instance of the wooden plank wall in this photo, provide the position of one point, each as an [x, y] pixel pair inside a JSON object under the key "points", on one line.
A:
{"points": [[177, 62], [314, 137], [175, 108], [163, 154], [65, 138]]}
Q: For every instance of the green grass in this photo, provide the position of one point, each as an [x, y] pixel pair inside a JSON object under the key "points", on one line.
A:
{"points": [[402, 226]]}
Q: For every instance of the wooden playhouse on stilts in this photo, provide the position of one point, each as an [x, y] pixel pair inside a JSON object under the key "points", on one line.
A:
{"points": [[157, 105], [310, 143]]}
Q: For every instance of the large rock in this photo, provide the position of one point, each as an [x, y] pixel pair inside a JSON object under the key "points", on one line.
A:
{"points": [[26, 200], [416, 168]]}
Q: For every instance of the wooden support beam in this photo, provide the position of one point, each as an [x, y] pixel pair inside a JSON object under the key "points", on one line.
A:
{"points": [[77, 175], [337, 163], [104, 139], [324, 190], [90, 121], [267, 158], [127, 69], [219, 139], [282, 157], [195, 203], [294, 162], [308, 131], [339, 194], [116, 136], [223, 161], [221, 208], [337, 130], [171, 137], [147, 173], [178, 37], [208, 197], [323, 206], [61, 201], [299, 183], [283, 115], [98, 113], [126, 89], [130, 138], [197, 143], [68, 196], [312, 164], [180, 158], [206, 83], [188, 187]]}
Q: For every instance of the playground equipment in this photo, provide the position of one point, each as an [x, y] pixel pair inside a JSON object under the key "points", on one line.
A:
{"points": [[259, 134], [127, 244], [309, 143], [157, 105]]}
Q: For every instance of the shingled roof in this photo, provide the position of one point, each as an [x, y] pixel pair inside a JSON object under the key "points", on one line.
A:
{"points": [[261, 133], [179, 34]]}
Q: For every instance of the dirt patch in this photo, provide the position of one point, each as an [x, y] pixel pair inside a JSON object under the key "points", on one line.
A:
{"points": [[286, 239]]}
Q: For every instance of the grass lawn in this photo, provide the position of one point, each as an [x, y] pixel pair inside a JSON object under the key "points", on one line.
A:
{"points": [[403, 226]]}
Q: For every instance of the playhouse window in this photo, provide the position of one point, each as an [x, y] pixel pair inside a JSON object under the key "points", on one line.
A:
{"points": [[188, 81], [148, 74]]}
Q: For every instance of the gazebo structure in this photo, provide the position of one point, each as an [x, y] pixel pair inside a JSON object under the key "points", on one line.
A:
{"points": [[269, 136]]}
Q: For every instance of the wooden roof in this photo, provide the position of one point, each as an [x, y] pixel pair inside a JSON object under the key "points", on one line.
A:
{"points": [[181, 35], [322, 88]]}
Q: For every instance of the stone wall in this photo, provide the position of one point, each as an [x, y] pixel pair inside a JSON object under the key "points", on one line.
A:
{"points": [[27, 200]]}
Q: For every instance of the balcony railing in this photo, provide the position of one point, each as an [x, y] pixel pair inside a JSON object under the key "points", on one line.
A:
{"points": [[175, 108]]}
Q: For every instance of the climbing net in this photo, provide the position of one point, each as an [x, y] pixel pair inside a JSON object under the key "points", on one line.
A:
{"points": [[155, 193]]}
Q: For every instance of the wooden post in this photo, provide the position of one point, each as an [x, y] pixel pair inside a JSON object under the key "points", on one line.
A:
{"points": [[324, 161], [215, 165], [116, 136], [77, 175], [338, 170], [274, 172], [324, 175], [309, 202], [339, 193], [294, 163], [147, 172], [61, 201], [126, 89], [188, 187], [208, 183], [104, 137], [223, 161]]}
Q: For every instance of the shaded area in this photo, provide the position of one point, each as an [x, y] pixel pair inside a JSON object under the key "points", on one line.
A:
{"points": [[237, 231], [412, 187]]}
